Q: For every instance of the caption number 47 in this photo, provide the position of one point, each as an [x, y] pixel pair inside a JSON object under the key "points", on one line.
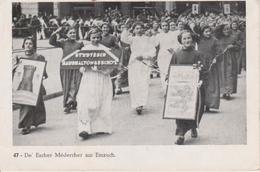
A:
{"points": [[16, 155]]}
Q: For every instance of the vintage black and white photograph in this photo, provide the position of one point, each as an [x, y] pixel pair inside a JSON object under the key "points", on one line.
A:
{"points": [[131, 73]]}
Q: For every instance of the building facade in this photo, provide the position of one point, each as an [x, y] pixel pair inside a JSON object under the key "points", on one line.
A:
{"points": [[62, 9]]}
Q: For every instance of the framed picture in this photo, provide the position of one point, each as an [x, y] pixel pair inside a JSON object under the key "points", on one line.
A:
{"points": [[226, 8], [195, 8], [27, 81], [181, 95]]}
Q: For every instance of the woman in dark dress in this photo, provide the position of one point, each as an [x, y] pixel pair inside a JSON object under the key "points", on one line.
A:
{"points": [[111, 42], [70, 78], [208, 46], [31, 115], [187, 55], [228, 46], [238, 36]]}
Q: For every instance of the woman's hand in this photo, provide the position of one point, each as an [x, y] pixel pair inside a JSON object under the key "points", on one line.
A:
{"points": [[230, 46], [200, 83], [57, 31], [107, 71], [82, 69], [171, 50], [214, 61], [94, 68]]}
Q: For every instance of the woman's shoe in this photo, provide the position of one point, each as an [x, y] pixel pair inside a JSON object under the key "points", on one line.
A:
{"points": [[139, 110], [84, 135], [68, 107], [119, 91], [228, 97], [207, 109], [194, 133], [179, 140], [67, 110], [74, 105], [26, 130]]}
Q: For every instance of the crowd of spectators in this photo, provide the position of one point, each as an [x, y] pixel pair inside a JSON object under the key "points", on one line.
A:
{"points": [[46, 24]]}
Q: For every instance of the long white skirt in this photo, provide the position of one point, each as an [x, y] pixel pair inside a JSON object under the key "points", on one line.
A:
{"points": [[94, 103], [138, 78], [164, 60]]}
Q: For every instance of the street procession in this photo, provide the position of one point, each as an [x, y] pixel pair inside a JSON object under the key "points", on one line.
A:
{"points": [[135, 73]]}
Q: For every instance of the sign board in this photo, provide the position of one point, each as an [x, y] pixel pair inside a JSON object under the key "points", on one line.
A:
{"points": [[226, 8], [100, 57], [27, 81], [195, 8], [181, 95]]}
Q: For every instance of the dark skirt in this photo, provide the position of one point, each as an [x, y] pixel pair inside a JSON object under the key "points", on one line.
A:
{"points": [[70, 81], [185, 125], [212, 89], [243, 58], [228, 73], [33, 115]]}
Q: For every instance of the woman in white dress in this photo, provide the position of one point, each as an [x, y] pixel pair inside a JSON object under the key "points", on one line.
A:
{"points": [[95, 95], [142, 52], [167, 46]]}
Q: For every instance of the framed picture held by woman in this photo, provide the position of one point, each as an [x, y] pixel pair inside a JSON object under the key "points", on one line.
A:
{"points": [[27, 80]]}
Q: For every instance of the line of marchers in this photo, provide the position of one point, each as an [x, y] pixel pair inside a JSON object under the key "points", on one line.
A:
{"points": [[72, 155]]}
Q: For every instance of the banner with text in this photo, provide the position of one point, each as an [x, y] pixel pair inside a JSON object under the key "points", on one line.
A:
{"points": [[103, 59]]}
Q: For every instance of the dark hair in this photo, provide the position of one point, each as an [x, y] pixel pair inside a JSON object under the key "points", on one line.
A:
{"points": [[232, 24], [137, 24], [94, 30], [203, 29], [107, 24], [219, 31], [185, 31], [29, 38], [68, 28]]}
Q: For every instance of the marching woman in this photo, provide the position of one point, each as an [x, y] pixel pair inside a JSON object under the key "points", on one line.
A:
{"points": [[142, 52], [95, 95], [243, 46], [110, 41], [70, 78], [167, 46], [208, 46], [227, 46], [238, 36], [187, 55], [31, 115]]}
